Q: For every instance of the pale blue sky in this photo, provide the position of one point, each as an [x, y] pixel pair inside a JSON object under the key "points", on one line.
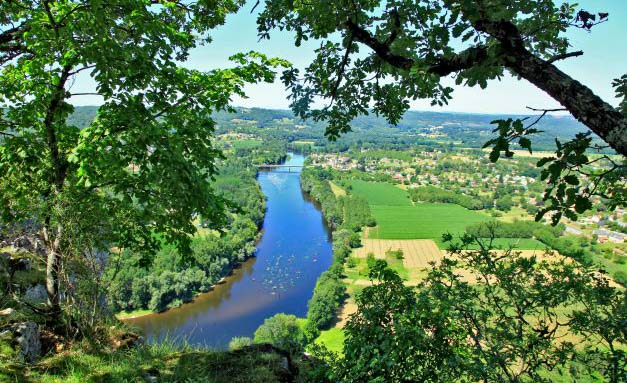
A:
{"points": [[605, 58]]}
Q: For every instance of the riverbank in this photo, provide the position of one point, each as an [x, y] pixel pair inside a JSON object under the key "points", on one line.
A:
{"points": [[139, 285], [348, 215], [126, 315], [294, 249]]}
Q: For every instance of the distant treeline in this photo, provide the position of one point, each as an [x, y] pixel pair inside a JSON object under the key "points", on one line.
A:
{"points": [[372, 132], [436, 194]]}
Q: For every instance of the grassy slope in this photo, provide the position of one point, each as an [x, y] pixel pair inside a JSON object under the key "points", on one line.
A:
{"points": [[337, 191], [166, 362]]}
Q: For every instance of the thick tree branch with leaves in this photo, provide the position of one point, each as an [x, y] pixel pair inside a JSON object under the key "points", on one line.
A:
{"points": [[411, 46], [140, 172]]}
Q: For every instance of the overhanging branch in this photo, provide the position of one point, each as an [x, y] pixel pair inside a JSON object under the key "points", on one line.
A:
{"points": [[564, 56], [441, 66]]}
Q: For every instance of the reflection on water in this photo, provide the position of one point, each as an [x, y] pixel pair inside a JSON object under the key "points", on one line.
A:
{"points": [[294, 249]]}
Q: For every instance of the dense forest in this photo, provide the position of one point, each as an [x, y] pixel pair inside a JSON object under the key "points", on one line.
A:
{"points": [[172, 277]]}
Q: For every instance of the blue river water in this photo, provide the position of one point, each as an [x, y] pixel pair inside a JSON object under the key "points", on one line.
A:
{"points": [[295, 248]]}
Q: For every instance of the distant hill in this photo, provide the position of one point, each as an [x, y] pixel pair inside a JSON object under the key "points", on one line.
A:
{"points": [[83, 115], [466, 128]]}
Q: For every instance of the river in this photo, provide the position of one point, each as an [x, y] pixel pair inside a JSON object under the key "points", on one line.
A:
{"points": [[295, 248]]}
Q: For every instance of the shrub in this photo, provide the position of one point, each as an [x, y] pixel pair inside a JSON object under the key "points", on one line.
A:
{"points": [[282, 331], [370, 260], [239, 342], [396, 254]]}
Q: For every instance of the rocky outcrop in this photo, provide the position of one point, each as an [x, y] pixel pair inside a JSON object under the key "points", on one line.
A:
{"points": [[31, 244], [36, 294], [26, 339]]}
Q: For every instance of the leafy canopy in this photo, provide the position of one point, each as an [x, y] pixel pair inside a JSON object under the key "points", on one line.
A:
{"points": [[144, 165], [390, 52], [377, 56], [483, 315]]}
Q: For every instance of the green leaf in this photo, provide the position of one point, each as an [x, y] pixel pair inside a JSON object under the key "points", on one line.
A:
{"points": [[494, 155], [572, 179], [525, 143]]}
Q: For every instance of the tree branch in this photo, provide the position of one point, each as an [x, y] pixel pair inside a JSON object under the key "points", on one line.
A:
{"points": [[564, 56], [441, 66], [602, 118], [381, 49], [547, 110], [342, 68]]}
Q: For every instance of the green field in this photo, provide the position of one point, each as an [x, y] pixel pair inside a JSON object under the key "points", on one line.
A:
{"points": [[380, 193], [246, 144], [425, 220], [332, 339], [397, 218]]}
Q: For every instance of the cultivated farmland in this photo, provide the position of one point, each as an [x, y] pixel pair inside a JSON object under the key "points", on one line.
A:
{"points": [[417, 253], [397, 218], [422, 221], [380, 193]]}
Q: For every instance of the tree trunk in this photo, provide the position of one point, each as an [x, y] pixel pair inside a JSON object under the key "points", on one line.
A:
{"points": [[601, 117], [53, 263], [60, 165], [53, 270]]}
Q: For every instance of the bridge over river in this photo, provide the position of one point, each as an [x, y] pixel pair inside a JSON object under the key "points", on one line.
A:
{"points": [[281, 166]]}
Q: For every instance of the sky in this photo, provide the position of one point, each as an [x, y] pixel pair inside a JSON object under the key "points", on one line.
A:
{"points": [[604, 59]]}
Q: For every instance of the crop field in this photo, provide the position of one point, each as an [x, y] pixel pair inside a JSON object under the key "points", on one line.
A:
{"points": [[417, 253], [380, 193], [246, 144], [422, 221], [397, 218]]}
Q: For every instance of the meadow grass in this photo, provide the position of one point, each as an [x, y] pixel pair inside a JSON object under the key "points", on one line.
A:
{"points": [[246, 144], [380, 193], [332, 339]]}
